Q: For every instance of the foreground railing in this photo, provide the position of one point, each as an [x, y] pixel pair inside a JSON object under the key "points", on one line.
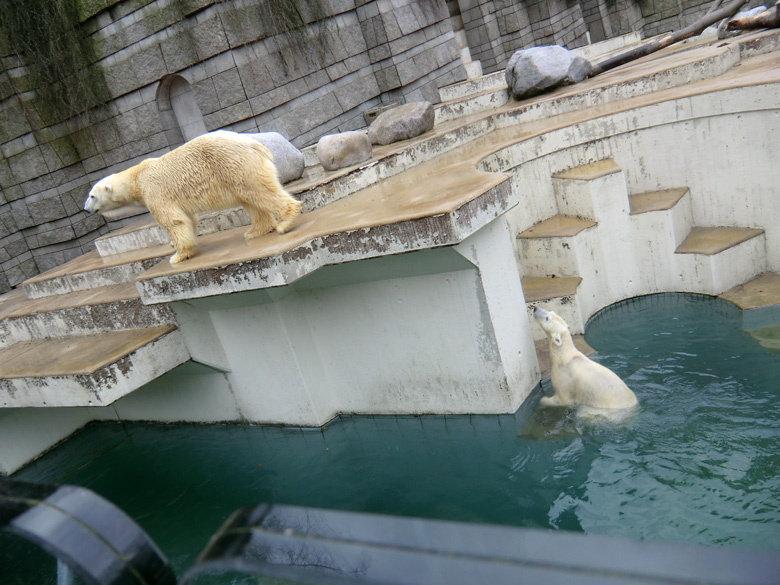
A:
{"points": [[101, 545]]}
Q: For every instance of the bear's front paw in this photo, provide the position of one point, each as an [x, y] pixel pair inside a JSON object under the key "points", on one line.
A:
{"points": [[180, 257], [255, 233], [549, 401]]}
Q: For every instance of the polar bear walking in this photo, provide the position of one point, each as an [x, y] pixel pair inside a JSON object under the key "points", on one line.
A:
{"points": [[214, 171], [576, 379]]}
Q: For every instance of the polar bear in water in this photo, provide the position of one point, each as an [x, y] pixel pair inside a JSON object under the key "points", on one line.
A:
{"points": [[576, 379]]}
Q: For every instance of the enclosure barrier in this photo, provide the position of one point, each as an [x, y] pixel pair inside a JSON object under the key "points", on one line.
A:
{"points": [[101, 545]]}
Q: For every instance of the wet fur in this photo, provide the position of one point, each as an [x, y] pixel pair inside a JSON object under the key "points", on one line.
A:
{"points": [[576, 379], [214, 171]]}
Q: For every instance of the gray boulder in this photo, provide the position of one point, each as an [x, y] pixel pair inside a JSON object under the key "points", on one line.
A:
{"points": [[287, 158], [536, 70], [336, 151], [402, 123]]}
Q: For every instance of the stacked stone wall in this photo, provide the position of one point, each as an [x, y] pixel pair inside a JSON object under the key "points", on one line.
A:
{"points": [[239, 74], [495, 29]]}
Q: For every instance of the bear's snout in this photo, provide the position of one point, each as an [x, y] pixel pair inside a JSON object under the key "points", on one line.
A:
{"points": [[540, 313], [90, 205]]}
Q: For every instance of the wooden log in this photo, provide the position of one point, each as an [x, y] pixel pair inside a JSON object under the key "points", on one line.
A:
{"points": [[768, 19], [675, 37]]}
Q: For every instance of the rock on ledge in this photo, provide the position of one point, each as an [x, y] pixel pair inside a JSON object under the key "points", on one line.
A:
{"points": [[535, 70], [402, 123], [287, 158], [336, 151]]}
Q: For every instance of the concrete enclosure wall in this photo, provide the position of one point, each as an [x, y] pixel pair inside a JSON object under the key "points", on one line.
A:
{"points": [[178, 68]]}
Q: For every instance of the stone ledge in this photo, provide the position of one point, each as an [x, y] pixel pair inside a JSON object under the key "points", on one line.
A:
{"points": [[713, 240], [662, 200], [590, 171], [94, 370], [365, 225], [763, 291], [558, 226], [543, 288]]}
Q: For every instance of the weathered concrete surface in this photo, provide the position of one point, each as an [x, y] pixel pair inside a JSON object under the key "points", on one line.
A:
{"points": [[87, 371], [714, 240], [373, 222], [763, 291], [660, 200], [319, 315]]}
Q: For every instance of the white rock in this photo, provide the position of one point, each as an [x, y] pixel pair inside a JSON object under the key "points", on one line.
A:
{"points": [[336, 151], [535, 70], [402, 123], [287, 158]]}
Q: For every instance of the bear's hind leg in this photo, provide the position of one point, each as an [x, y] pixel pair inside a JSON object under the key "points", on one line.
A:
{"points": [[288, 212], [262, 222], [272, 197]]}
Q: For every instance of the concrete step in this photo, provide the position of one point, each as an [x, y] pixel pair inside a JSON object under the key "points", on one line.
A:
{"points": [[146, 233], [471, 87], [107, 308], [715, 259], [659, 222], [92, 370], [92, 271], [557, 294], [595, 191], [490, 92], [759, 300], [661, 200], [554, 246], [497, 80]]}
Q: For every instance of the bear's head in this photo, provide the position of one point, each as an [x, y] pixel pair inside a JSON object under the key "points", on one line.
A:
{"points": [[553, 325], [102, 196]]}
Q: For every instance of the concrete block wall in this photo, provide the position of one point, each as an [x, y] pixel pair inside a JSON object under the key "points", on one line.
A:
{"points": [[223, 68], [495, 29]]}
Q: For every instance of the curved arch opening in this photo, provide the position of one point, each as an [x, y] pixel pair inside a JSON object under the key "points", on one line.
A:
{"points": [[179, 111]]}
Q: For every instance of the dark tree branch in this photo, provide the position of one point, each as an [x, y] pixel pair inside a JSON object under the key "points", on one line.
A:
{"points": [[674, 37], [768, 19]]}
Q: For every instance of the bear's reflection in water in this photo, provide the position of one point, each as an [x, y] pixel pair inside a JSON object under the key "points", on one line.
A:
{"points": [[560, 422]]}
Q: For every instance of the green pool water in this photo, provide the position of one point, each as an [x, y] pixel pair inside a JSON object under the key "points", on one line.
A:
{"points": [[699, 462]]}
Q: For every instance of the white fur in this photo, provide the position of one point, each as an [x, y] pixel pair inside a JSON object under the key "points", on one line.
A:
{"points": [[214, 171], [576, 379]]}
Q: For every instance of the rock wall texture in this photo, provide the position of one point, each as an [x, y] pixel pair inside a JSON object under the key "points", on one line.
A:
{"points": [[177, 68]]}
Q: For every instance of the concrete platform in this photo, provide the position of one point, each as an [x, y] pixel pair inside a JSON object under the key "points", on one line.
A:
{"points": [[590, 171], [661, 200], [558, 226], [435, 205], [759, 300], [763, 291], [713, 240], [95, 370], [541, 288], [92, 270]]}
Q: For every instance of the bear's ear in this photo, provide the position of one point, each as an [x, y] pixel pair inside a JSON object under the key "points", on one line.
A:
{"points": [[557, 339]]}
